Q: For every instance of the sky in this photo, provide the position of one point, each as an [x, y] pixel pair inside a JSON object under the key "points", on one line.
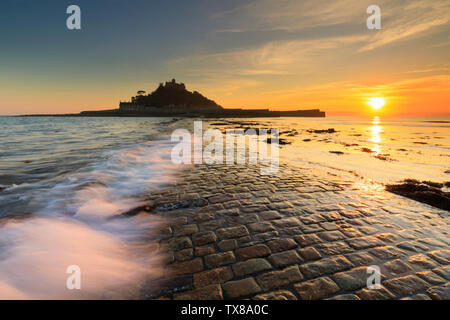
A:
{"points": [[282, 55]]}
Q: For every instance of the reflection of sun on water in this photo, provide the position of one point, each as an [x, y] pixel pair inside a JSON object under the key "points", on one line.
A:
{"points": [[376, 129], [371, 189]]}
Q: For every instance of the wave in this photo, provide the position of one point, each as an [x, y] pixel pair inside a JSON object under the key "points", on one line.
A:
{"points": [[73, 226]]}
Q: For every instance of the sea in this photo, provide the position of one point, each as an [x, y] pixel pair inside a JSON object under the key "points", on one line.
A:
{"points": [[65, 180]]}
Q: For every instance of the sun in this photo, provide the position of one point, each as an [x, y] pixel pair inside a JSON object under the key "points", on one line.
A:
{"points": [[376, 102]]}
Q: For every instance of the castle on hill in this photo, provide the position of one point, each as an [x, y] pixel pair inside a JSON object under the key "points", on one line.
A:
{"points": [[173, 99], [170, 97]]}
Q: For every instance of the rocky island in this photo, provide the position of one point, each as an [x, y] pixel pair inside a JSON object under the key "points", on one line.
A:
{"points": [[173, 99]]}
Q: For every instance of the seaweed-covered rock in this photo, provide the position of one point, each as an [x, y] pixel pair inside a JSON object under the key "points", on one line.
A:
{"points": [[426, 192], [330, 130]]}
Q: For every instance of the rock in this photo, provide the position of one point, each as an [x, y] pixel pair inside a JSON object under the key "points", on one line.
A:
{"points": [[307, 239], [345, 297], [365, 242], [330, 130], [423, 192], [444, 272], [241, 288], [204, 250], [430, 277], [165, 207], [219, 259], [184, 254], [310, 253], [285, 258], [423, 261], [316, 289], [397, 267], [211, 292], [281, 244], [420, 296], [276, 295], [361, 258], [352, 280], [276, 279], [377, 294], [187, 267], [185, 230], [332, 235], [233, 232], [406, 286], [256, 251], [440, 292], [441, 256], [203, 238], [334, 248], [269, 215], [260, 227], [251, 266], [179, 243], [214, 276], [165, 287], [227, 245], [280, 141], [325, 266]]}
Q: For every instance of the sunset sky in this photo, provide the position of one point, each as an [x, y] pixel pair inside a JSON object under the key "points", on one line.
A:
{"points": [[254, 54]]}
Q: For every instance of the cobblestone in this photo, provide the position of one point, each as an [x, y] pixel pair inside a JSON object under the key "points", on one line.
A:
{"points": [[316, 289], [293, 235]]}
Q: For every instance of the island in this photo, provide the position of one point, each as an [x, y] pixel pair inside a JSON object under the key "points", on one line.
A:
{"points": [[173, 99]]}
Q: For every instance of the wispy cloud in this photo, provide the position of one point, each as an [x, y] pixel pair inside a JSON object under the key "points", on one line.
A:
{"points": [[401, 19], [413, 19]]}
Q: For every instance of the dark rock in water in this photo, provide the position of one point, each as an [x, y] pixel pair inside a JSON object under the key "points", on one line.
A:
{"points": [[307, 140], [447, 184], [433, 184], [337, 152], [418, 142], [384, 157], [422, 192], [280, 141], [200, 202], [447, 171], [166, 287], [401, 149], [368, 150], [2, 188], [136, 211], [289, 133], [330, 130]]}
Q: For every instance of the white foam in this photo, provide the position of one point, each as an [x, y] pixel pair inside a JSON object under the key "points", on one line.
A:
{"points": [[74, 228]]}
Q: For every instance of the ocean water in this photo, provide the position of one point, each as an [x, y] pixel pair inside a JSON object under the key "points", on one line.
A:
{"points": [[374, 148], [63, 180]]}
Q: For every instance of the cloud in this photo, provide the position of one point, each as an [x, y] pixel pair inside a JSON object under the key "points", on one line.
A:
{"points": [[272, 58], [404, 22], [401, 19]]}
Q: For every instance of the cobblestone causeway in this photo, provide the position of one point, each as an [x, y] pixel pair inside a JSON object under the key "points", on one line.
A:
{"points": [[232, 233]]}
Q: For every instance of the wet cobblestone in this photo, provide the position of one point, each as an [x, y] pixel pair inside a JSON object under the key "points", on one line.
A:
{"points": [[232, 233]]}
